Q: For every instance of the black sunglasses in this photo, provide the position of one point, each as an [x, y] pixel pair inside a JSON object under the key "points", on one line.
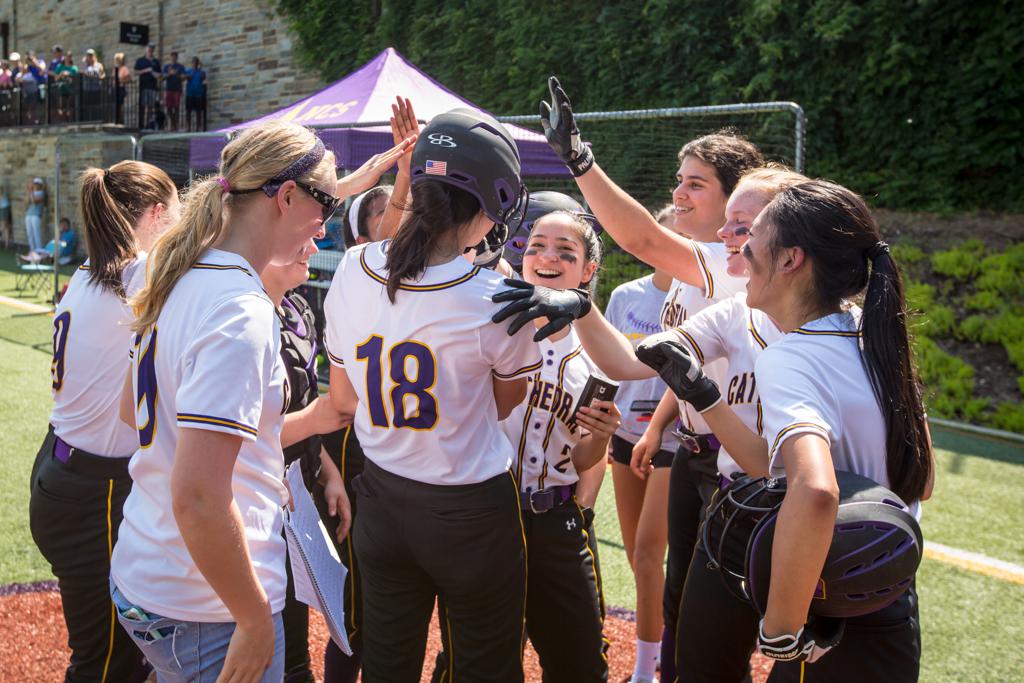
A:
{"points": [[329, 204]]}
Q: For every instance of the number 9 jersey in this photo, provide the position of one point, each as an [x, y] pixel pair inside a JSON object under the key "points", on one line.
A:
{"points": [[91, 333], [422, 366]]}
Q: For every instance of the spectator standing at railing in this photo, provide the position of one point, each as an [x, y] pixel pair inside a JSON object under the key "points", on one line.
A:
{"points": [[56, 59], [124, 77], [32, 73], [65, 74], [6, 86], [6, 79], [173, 74], [92, 82], [147, 68], [195, 95]]}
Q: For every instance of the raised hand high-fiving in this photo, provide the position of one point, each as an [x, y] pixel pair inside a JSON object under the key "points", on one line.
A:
{"points": [[561, 131]]}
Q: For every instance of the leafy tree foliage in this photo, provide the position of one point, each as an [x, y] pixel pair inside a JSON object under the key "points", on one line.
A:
{"points": [[914, 103]]}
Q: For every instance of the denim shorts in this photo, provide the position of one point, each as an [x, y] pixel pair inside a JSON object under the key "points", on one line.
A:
{"points": [[187, 651]]}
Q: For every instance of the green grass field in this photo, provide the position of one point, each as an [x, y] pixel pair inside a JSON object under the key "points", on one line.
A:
{"points": [[972, 624]]}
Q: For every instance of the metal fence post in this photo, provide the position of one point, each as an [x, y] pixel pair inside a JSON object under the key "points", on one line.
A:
{"points": [[56, 220]]}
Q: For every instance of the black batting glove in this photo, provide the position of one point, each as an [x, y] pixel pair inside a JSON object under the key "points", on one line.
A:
{"points": [[560, 129], [559, 306], [809, 644], [680, 370]]}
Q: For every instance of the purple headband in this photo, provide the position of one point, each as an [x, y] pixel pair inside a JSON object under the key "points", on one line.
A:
{"points": [[300, 167]]}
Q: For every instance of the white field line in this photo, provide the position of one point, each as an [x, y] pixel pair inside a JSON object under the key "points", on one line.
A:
{"points": [[974, 562], [24, 305]]}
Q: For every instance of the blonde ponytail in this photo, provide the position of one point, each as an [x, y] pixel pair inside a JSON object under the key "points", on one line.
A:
{"points": [[249, 161], [178, 249]]}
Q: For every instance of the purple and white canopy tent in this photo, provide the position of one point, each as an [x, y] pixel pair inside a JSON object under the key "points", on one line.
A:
{"points": [[365, 97]]}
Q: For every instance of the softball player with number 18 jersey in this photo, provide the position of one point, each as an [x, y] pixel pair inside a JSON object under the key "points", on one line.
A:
{"points": [[80, 478], [409, 336]]}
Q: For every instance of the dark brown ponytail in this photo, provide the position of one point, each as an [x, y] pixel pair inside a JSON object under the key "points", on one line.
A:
{"points": [[112, 202], [839, 235], [439, 210]]}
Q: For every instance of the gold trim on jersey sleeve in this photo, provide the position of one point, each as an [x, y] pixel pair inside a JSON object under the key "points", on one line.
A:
{"points": [[195, 418], [693, 343], [791, 428], [521, 371], [825, 333]]}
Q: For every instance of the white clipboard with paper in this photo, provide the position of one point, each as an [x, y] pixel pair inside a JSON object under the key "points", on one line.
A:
{"points": [[317, 570]]}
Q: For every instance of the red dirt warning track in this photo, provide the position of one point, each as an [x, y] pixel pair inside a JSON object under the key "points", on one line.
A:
{"points": [[33, 640]]}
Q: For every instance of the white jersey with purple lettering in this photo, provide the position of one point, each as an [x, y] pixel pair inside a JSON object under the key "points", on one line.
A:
{"points": [[730, 331], [91, 335], [633, 309], [211, 362], [422, 367], [541, 428], [685, 300]]}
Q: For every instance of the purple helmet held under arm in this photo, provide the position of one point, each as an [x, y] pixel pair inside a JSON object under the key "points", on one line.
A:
{"points": [[876, 544]]}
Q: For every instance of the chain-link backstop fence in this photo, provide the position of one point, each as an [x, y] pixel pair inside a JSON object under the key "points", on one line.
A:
{"points": [[637, 148]]}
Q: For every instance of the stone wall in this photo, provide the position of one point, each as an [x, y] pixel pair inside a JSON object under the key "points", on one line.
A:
{"points": [[26, 153], [243, 45]]}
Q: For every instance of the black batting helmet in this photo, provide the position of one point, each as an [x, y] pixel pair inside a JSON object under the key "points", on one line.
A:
{"points": [[541, 204], [474, 152], [876, 544]]}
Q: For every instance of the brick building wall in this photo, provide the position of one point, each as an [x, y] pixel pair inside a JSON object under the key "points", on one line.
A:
{"points": [[243, 45]]}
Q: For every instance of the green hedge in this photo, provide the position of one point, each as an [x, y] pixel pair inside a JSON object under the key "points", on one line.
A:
{"points": [[976, 298], [914, 103]]}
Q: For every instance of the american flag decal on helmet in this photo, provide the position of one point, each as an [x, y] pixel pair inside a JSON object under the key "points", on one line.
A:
{"points": [[437, 167]]}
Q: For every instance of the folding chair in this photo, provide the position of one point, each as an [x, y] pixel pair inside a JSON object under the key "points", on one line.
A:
{"points": [[33, 276]]}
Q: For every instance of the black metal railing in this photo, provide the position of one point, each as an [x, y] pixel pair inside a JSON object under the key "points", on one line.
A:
{"points": [[80, 99]]}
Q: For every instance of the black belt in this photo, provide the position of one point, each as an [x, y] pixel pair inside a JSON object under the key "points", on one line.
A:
{"points": [[544, 500]]}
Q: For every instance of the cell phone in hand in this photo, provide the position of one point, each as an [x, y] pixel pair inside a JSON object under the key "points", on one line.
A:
{"points": [[600, 388]]}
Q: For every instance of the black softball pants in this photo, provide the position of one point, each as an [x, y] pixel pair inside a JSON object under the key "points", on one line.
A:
{"points": [[463, 545], [692, 481], [74, 514], [564, 600]]}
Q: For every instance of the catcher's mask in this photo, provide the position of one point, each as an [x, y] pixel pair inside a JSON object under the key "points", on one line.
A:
{"points": [[541, 204], [876, 544]]}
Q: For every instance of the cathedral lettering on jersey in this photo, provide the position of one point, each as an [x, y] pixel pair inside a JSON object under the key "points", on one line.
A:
{"points": [[742, 389], [672, 314], [553, 399]]}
